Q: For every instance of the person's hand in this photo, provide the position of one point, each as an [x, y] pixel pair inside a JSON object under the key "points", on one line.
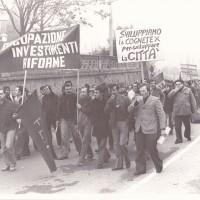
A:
{"points": [[139, 98], [78, 105], [178, 88], [15, 115], [57, 123]]}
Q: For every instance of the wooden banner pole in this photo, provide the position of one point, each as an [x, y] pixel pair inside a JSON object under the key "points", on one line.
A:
{"points": [[24, 86]]}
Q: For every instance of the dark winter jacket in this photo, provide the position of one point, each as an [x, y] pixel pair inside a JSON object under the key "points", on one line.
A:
{"points": [[184, 101], [168, 105], [101, 127], [67, 107], [50, 106]]}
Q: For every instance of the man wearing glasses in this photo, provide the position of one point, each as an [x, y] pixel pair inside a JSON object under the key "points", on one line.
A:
{"points": [[184, 106]]}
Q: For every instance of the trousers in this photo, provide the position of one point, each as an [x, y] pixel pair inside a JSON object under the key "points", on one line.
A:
{"points": [[66, 127], [146, 142], [7, 145], [185, 119], [85, 131], [120, 139]]}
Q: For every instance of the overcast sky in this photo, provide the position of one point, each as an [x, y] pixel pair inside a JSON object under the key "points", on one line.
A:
{"points": [[179, 20]]}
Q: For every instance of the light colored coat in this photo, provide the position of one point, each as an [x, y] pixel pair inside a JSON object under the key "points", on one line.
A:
{"points": [[184, 101], [148, 115]]}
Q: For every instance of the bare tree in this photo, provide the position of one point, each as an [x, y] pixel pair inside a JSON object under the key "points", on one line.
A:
{"points": [[23, 14], [27, 15]]}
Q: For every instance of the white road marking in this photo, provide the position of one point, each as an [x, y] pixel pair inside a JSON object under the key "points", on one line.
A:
{"points": [[139, 184]]}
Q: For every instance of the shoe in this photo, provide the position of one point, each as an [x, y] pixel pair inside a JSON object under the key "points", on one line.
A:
{"points": [[137, 173], [12, 168], [89, 158], [117, 168], [128, 164], [178, 141], [100, 166], [159, 170], [6, 168], [26, 154], [79, 164], [189, 138], [63, 158]]}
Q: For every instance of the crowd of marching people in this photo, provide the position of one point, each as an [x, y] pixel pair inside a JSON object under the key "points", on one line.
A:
{"points": [[107, 112]]}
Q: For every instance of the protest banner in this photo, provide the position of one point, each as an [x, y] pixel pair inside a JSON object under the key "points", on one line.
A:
{"points": [[159, 80], [57, 49], [138, 45], [33, 120], [189, 71]]}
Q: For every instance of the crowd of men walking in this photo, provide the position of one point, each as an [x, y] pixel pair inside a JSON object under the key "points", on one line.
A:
{"points": [[106, 111]]}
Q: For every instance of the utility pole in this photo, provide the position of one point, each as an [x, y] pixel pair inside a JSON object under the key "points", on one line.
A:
{"points": [[110, 29]]}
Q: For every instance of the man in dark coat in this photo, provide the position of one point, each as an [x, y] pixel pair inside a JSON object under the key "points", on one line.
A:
{"points": [[50, 107], [101, 127], [184, 106], [66, 116], [117, 107], [85, 125], [22, 139], [168, 107], [7, 131]]}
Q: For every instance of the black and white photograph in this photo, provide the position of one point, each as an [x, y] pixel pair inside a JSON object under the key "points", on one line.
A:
{"points": [[99, 99]]}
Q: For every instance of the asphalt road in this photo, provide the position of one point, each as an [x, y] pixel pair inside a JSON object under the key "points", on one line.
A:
{"points": [[181, 174]]}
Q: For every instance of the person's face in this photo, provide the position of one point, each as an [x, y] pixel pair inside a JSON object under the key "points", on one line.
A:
{"points": [[129, 88], [42, 92], [7, 91], [144, 92], [2, 95], [68, 89], [97, 94], [114, 91], [153, 84], [134, 87], [16, 92], [83, 92], [47, 90], [179, 85]]}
